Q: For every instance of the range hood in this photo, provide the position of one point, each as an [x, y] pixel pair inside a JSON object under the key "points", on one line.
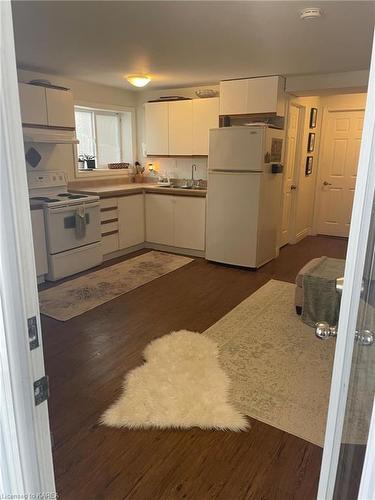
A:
{"points": [[50, 136]]}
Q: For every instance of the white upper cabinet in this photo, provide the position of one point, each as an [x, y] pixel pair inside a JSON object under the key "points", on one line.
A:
{"points": [[181, 128], [60, 108], [233, 97], [253, 95], [157, 128], [33, 104], [46, 106], [205, 116]]}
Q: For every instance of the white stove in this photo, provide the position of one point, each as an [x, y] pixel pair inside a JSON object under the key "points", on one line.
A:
{"points": [[72, 223]]}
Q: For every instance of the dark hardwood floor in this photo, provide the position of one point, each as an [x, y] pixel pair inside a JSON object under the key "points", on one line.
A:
{"points": [[88, 356]]}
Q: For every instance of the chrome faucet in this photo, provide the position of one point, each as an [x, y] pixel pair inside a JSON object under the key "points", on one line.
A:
{"points": [[193, 167]]}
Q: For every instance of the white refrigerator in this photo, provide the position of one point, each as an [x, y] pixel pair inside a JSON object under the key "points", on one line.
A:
{"points": [[244, 195]]}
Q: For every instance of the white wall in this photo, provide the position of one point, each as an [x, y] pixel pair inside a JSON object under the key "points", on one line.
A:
{"points": [[174, 167], [61, 156]]}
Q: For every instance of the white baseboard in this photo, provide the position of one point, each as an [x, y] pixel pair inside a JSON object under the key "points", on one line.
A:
{"points": [[182, 251], [301, 235], [154, 246], [123, 251]]}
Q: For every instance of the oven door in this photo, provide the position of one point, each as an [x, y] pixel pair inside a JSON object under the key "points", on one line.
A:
{"points": [[72, 226]]}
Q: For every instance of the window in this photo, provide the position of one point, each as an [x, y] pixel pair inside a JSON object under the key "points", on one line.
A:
{"points": [[106, 135]]}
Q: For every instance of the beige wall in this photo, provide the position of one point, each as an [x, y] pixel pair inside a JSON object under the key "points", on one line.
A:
{"points": [[174, 167], [62, 156], [305, 194]]}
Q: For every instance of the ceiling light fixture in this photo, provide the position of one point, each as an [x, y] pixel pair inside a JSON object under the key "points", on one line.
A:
{"points": [[310, 13], [138, 80]]}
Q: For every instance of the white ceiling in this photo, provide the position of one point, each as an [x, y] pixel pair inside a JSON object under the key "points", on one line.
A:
{"points": [[182, 43]]}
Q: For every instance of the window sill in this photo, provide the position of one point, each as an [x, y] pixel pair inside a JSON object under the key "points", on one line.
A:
{"points": [[104, 172]]}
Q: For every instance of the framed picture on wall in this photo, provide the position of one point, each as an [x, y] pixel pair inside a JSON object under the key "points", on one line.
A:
{"points": [[313, 117], [311, 142], [309, 165]]}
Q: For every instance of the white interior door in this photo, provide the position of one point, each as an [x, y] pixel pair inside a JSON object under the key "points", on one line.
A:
{"points": [[342, 132], [289, 173]]}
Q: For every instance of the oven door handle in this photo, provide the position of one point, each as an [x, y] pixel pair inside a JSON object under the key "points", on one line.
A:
{"points": [[70, 208]]}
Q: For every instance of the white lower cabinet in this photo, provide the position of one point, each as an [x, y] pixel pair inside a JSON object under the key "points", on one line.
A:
{"points": [[177, 221], [131, 223], [39, 239], [160, 219], [189, 222]]}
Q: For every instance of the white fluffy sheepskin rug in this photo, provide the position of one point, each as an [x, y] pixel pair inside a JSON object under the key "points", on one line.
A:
{"points": [[180, 385]]}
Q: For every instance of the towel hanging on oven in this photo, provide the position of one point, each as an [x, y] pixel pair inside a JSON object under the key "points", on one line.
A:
{"points": [[80, 222]]}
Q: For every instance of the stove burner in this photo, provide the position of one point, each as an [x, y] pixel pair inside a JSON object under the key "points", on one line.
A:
{"points": [[72, 196], [44, 198]]}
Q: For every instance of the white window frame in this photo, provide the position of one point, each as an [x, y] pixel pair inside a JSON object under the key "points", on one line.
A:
{"points": [[129, 149]]}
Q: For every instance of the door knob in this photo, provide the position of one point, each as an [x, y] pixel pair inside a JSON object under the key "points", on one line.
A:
{"points": [[293, 187], [323, 331], [325, 183]]}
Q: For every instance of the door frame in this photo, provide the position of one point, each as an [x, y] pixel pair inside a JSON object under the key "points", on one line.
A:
{"points": [[319, 174], [354, 266], [292, 237], [26, 458]]}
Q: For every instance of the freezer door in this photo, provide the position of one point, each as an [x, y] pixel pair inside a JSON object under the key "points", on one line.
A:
{"points": [[236, 148], [232, 217]]}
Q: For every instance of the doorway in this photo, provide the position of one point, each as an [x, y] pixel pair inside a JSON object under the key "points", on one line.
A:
{"points": [[341, 142], [293, 139]]}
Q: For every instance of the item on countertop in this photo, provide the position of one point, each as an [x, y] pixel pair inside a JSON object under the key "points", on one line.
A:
{"points": [[151, 170], [89, 160], [46, 83], [138, 177], [115, 166], [204, 93], [171, 98]]}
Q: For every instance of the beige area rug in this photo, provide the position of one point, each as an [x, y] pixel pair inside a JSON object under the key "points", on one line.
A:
{"points": [[280, 371], [79, 295], [181, 385]]}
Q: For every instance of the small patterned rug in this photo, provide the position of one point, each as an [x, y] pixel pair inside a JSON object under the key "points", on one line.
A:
{"points": [[79, 295]]}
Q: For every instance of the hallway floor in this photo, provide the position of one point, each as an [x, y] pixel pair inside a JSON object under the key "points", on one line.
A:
{"points": [[88, 356]]}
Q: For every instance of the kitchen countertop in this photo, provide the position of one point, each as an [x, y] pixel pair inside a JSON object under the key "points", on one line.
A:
{"points": [[127, 189]]}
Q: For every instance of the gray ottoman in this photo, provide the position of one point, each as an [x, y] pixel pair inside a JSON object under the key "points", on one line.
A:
{"points": [[298, 298], [316, 297]]}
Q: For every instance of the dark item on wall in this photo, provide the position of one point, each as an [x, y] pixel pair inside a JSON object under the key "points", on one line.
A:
{"points": [[277, 168], [313, 117], [33, 157], [309, 165], [276, 150], [311, 142]]}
